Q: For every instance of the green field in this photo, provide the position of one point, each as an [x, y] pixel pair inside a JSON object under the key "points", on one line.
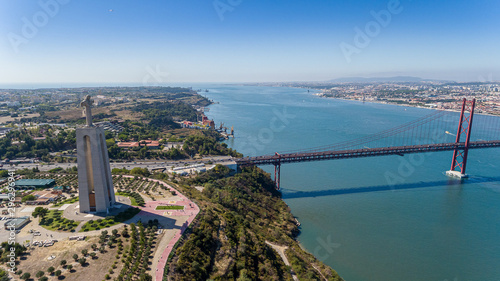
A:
{"points": [[171, 207], [55, 221], [67, 201], [135, 198], [110, 221]]}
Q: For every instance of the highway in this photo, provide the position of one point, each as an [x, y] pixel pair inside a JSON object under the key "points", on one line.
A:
{"points": [[150, 164]]}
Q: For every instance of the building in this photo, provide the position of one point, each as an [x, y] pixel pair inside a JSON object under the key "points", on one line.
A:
{"points": [[184, 171], [150, 144], [34, 183], [209, 123], [16, 223], [170, 145], [4, 131], [61, 188], [95, 185], [44, 197], [144, 143]]}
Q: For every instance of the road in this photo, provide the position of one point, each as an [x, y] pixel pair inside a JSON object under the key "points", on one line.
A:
{"points": [[128, 165], [281, 252]]}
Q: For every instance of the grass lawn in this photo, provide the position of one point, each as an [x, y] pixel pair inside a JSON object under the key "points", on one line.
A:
{"points": [[67, 201], [110, 221], [98, 224], [171, 207], [132, 197], [54, 221]]}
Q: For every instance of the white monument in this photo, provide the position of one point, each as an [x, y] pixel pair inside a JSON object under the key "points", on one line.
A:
{"points": [[95, 185]]}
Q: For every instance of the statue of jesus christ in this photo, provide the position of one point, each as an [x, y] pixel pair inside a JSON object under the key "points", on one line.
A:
{"points": [[87, 103]]}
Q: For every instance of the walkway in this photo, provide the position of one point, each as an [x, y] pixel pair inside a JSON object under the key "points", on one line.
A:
{"points": [[190, 211], [281, 252]]}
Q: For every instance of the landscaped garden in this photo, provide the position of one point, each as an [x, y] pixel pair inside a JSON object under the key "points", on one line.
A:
{"points": [[53, 220], [135, 198], [110, 221], [67, 201], [170, 207]]}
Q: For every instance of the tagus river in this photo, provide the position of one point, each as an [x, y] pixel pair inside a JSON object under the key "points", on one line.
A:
{"points": [[426, 227]]}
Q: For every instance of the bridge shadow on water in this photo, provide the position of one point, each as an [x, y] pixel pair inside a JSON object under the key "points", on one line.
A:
{"points": [[408, 186]]}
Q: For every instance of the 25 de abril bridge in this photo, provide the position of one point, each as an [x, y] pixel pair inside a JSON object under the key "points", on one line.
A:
{"points": [[426, 134]]}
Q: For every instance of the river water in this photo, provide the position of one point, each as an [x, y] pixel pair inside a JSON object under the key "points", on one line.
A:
{"points": [[402, 218]]}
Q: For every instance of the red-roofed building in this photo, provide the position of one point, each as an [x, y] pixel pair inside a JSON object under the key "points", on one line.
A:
{"points": [[128, 145], [148, 143]]}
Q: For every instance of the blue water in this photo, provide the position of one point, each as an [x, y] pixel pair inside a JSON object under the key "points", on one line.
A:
{"points": [[402, 218]]}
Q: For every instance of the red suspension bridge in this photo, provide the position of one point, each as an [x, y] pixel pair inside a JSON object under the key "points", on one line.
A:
{"points": [[426, 134]]}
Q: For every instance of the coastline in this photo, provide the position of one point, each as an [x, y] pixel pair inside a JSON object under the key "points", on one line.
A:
{"points": [[402, 105]]}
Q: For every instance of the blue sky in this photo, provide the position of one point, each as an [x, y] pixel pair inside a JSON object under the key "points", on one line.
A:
{"points": [[167, 41]]}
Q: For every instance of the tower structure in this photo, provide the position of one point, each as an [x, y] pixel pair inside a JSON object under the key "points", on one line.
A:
{"points": [[459, 160], [95, 185]]}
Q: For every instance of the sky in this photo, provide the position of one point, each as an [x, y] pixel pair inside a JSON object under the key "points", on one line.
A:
{"points": [[166, 41]]}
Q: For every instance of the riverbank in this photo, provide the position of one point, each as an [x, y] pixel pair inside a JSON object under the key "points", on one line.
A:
{"points": [[386, 235], [403, 105], [240, 215]]}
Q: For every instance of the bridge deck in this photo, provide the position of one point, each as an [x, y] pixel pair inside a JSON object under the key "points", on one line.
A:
{"points": [[358, 153]]}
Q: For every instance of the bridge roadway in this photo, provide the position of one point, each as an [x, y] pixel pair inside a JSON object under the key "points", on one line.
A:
{"points": [[358, 153]]}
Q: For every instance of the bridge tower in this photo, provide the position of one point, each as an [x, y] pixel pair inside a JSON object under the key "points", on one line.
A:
{"points": [[277, 171], [459, 161]]}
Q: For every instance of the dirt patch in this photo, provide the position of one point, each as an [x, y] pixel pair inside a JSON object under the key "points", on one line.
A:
{"points": [[95, 269], [5, 119]]}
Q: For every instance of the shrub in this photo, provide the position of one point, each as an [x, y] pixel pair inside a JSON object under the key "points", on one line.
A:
{"points": [[51, 269]]}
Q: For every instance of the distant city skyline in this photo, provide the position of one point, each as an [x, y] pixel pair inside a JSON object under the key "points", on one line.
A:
{"points": [[237, 41]]}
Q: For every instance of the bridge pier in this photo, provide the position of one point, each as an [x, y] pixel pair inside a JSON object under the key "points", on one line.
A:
{"points": [[277, 175], [464, 128], [277, 171]]}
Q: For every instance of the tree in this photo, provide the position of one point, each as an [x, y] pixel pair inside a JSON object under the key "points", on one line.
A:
{"points": [[40, 211], [140, 171], [75, 256], [85, 252], [29, 197], [44, 278], [40, 274], [63, 263], [125, 232], [94, 247], [115, 232], [82, 261], [145, 277], [51, 269], [26, 276], [69, 267], [93, 255], [58, 273]]}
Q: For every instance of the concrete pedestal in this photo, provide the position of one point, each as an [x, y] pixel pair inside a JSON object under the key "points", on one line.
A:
{"points": [[456, 174], [95, 185]]}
